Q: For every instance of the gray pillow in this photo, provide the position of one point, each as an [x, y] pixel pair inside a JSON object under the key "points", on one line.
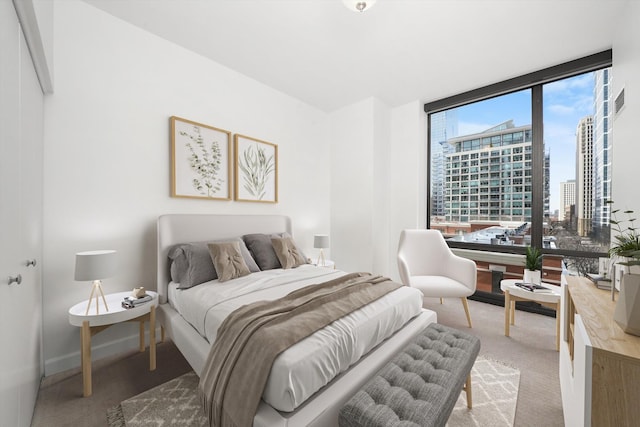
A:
{"points": [[191, 263], [227, 260], [287, 252], [262, 251]]}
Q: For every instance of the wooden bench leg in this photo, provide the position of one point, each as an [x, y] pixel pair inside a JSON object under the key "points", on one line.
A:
{"points": [[467, 388]]}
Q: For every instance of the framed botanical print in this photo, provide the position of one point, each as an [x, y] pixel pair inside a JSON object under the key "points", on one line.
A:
{"points": [[200, 160], [256, 170]]}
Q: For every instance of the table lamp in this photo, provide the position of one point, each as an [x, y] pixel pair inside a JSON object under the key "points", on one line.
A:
{"points": [[321, 241], [94, 266]]}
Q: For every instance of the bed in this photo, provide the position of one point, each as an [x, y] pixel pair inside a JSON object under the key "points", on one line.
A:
{"points": [[304, 406]]}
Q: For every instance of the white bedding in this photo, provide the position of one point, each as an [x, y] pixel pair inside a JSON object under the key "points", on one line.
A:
{"points": [[310, 364]]}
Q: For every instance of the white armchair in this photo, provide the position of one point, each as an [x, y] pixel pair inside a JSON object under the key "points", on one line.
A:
{"points": [[425, 262]]}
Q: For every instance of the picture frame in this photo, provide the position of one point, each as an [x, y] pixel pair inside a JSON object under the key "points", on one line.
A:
{"points": [[200, 160], [255, 170]]}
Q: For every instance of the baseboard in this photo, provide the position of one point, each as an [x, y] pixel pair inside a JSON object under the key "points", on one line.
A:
{"points": [[71, 361]]}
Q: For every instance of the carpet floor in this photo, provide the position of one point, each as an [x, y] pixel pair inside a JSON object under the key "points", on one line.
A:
{"points": [[494, 396], [530, 349], [175, 403]]}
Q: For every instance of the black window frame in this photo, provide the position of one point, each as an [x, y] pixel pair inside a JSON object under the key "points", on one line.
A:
{"points": [[533, 81]]}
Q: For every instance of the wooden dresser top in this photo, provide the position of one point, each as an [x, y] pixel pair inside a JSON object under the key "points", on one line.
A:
{"points": [[596, 310]]}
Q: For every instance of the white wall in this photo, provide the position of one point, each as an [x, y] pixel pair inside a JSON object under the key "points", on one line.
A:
{"points": [[352, 154], [382, 188], [107, 158], [378, 182], [408, 175], [626, 73]]}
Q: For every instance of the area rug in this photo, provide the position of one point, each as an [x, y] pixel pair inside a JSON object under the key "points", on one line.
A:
{"points": [[494, 396], [175, 403]]}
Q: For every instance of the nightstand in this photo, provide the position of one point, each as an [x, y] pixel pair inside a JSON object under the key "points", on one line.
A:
{"points": [[92, 323]]}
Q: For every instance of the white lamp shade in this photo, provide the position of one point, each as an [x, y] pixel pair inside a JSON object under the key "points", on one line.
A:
{"points": [[95, 265], [321, 241]]}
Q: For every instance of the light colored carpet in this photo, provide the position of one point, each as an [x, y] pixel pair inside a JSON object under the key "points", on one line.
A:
{"points": [[531, 349], [494, 396], [175, 403]]}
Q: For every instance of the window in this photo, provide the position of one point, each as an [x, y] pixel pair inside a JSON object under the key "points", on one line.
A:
{"points": [[543, 141]]}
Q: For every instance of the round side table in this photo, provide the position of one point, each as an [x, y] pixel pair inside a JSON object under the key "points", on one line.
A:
{"points": [[513, 293], [97, 320]]}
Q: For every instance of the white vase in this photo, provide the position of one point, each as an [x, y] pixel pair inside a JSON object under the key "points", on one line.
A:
{"points": [[620, 270], [532, 276], [627, 312]]}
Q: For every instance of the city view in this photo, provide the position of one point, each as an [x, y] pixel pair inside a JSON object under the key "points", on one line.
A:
{"points": [[482, 171]]}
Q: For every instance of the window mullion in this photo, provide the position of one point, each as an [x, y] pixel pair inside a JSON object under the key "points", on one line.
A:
{"points": [[538, 167]]}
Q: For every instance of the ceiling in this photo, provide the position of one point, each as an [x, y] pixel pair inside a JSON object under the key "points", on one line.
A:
{"points": [[320, 52]]}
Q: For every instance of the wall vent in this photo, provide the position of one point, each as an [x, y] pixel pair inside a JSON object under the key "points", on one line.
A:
{"points": [[619, 102]]}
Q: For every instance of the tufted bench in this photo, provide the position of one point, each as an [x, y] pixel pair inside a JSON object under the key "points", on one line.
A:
{"points": [[420, 385]]}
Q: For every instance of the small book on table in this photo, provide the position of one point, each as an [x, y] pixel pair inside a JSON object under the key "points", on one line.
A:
{"points": [[600, 281], [532, 287], [131, 302]]}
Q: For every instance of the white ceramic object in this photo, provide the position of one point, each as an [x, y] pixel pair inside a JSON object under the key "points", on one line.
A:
{"points": [[532, 276], [627, 312]]}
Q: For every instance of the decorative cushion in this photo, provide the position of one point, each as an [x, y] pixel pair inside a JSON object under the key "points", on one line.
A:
{"points": [[285, 234], [191, 263], [287, 252], [228, 260], [262, 249]]}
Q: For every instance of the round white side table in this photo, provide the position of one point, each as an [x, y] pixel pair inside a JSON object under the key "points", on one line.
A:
{"points": [[513, 293], [95, 322]]}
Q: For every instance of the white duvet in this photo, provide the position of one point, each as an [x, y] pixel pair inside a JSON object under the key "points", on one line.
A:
{"points": [[310, 364]]}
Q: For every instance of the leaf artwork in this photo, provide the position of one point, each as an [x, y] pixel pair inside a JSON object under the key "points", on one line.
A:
{"points": [[206, 161], [256, 170]]}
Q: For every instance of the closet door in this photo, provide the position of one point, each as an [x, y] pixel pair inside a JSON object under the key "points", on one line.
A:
{"points": [[9, 213], [30, 255], [21, 124]]}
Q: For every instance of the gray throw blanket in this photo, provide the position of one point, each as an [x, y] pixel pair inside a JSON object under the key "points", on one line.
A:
{"points": [[250, 338]]}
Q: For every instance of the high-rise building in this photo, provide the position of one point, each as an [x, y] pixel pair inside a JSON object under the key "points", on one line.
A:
{"points": [[443, 125], [488, 175], [602, 126], [584, 175], [567, 198]]}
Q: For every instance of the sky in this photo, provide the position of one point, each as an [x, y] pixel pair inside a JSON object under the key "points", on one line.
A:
{"points": [[565, 102]]}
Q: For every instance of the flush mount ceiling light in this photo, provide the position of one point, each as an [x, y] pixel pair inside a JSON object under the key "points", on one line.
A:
{"points": [[359, 5]]}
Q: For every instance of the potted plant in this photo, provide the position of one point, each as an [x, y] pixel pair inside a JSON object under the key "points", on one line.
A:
{"points": [[626, 243], [625, 252], [533, 265]]}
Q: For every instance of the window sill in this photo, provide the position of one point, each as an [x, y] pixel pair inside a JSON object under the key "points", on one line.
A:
{"points": [[490, 257]]}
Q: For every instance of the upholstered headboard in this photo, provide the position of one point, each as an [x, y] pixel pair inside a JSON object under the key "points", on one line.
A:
{"points": [[184, 228]]}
